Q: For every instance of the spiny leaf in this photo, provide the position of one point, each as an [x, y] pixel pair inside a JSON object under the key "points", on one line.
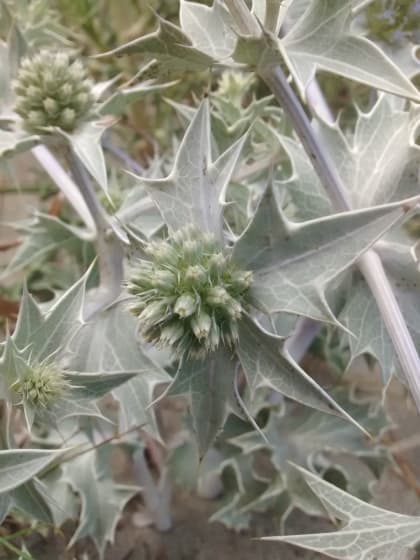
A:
{"points": [[369, 532], [208, 384], [171, 48], [265, 365], [43, 235], [123, 97], [102, 499], [362, 314], [294, 263], [321, 39], [86, 143], [57, 326], [209, 28], [192, 192], [108, 345], [17, 466], [378, 163]]}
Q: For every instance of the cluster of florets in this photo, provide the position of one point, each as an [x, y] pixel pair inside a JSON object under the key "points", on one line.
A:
{"points": [[52, 91], [42, 386], [190, 295]]}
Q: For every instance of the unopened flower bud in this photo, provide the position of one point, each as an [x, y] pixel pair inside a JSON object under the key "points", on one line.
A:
{"points": [[201, 325], [49, 83], [185, 305], [217, 296]]}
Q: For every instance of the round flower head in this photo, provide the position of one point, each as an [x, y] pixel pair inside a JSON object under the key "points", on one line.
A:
{"points": [[52, 90], [190, 295], [42, 386]]}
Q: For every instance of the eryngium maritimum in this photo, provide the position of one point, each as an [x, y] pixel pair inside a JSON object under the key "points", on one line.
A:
{"points": [[190, 295], [42, 386], [51, 90]]}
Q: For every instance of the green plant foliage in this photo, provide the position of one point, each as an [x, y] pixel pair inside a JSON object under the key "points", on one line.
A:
{"points": [[208, 269]]}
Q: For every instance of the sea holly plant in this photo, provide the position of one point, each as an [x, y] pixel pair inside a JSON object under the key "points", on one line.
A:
{"points": [[225, 257]]}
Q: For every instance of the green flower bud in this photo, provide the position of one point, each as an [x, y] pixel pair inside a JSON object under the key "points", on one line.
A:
{"points": [[201, 325], [68, 119], [171, 333], [164, 279], [51, 106], [241, 279], [42, 386], [217, 263], [190, 296], [185, 305], [51, 85], [196, 275], [217, 296]]}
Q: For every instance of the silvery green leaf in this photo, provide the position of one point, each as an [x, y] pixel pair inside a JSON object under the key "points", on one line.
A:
{"points": [[86, 143], [293, 262], [404, 56], [108, 345], [300, 435], [305, 189], [29, 499], [208, 384], [13, 142], [209, 28], [265, 364], [368, 533], [117, 103], [271, 13], [57, 325], [63, 502], [18, 466], [4, 506], [376, 163], [170, 47], [139, 213], [102, 499], [321, 39], [362, 313], [241, 487], [43, 235], [192, 192]]}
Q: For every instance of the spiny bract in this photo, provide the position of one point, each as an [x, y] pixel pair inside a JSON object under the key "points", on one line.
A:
{"points": [[190, 295], [42, 386], [51, 91]]}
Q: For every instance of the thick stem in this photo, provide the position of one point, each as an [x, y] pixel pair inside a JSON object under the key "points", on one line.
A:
{"points": [[65, 184], [369, 263], [276, 80], [371, 267], [109, 248], [243, 18]]}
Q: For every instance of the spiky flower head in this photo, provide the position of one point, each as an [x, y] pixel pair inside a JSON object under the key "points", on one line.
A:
{"points": [[190, 295], [42, 386], [51, 91]]}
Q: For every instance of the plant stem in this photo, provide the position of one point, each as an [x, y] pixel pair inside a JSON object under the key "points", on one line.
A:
{"points": [[243, 18], [121, 155], [109, 248], [369, 263], [65, 184], [274, 77], [373, 271]]}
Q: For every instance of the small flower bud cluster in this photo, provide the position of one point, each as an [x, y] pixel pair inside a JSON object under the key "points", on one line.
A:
{"points": [[52, 91], [42, 386], [189, 295]]}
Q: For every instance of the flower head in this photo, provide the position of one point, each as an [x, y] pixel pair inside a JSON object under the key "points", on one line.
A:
{"points": [[52, 90], [190, 295], [42, 386]]}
